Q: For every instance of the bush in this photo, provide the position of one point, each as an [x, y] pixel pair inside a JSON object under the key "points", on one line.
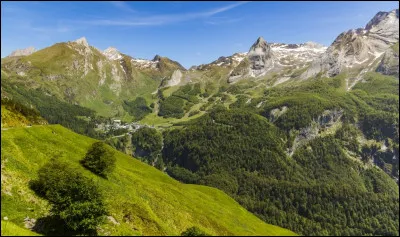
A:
{"points": [[99, 159], [194, 231], [75, 199]]}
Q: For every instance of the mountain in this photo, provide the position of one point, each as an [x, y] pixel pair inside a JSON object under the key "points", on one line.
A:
{"points": [[264, 58], [360, 48], [23, 52], [303, 136], [284, 147], [78, 73]]}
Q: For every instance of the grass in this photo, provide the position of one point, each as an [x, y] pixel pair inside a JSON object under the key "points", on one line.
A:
{"points": [[10, 229], [142, 199], [12, 119]]}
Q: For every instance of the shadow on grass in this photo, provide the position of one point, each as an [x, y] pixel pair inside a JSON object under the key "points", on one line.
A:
{"points": [[54, 226]]}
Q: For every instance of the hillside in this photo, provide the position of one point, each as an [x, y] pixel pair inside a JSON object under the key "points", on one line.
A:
{"points": [[141, 199], [14, 114]]}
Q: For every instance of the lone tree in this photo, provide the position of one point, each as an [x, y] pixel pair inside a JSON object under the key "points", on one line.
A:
{"points": [[99, 159], [75, 199]]}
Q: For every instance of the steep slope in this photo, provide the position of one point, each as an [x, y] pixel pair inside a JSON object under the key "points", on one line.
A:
{"points": [[14, 114], [319, 190], [360, 48], [140, 199]]}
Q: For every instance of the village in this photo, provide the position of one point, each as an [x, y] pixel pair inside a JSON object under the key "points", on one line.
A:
{"points": [[117, 124]]}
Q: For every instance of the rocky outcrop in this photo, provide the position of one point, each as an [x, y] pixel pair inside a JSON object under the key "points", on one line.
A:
{"points": [[358, 48], [82, 41], [389, 64], [23, 52], [325, 121], [276, 113], [260, 60], [261, 57], [175, 78], [112, 53]]}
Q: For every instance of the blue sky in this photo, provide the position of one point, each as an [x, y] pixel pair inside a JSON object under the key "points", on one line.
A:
{"points": [[191, 33]]}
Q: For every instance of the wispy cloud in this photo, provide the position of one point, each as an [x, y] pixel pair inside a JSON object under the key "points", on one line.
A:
{"points": [[163, 19], [49, 30], [222, 20], [123, 6]]}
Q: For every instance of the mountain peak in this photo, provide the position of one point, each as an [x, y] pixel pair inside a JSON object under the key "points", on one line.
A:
{"points": [[260, 39], [112, 53], [23, 52], [156, 58], [82, 41], [260, 43], [381, 17]]}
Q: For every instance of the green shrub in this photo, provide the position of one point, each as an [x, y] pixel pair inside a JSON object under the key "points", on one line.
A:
{"points": [[75, 199], [194, 231], [99, 159]]}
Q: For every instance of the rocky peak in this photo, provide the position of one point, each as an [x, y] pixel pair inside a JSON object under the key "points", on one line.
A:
{"points": [[260, 43], [358, 48], [385, 26], [23, 52], [112, 53], [156, 58], [260, 55], [381, 16], [82, 41]]}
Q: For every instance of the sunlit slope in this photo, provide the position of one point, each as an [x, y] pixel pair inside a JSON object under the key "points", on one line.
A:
{"points": [[143, 200]]}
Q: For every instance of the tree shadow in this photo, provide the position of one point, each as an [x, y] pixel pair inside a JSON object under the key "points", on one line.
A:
{"points": [[54, 226]]}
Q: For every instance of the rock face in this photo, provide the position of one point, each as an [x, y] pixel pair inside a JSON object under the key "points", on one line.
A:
{"points": [[358, 48], [175, 78], [389, 64], [324, 122], [264, 58], [23, 52], [82, 41], [261, 57], [112, 53]]}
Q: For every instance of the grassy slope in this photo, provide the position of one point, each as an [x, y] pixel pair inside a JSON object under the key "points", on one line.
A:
{"points": [[12, 119], [158, 204], [11, 229]]}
